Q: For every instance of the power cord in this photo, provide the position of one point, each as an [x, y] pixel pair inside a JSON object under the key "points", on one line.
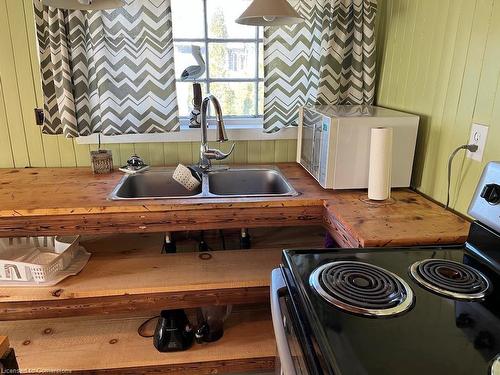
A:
{"points": [[471, 148], [141, 328]]}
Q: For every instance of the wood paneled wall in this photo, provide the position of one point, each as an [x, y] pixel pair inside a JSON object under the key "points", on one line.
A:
{"points": [[21, 142], [441, 60]]}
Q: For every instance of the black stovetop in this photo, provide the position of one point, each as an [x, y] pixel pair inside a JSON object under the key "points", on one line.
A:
{"points": [[437, 336]]}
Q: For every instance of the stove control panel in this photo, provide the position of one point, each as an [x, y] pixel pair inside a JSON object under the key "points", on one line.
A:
{"points": [[485, 205]]}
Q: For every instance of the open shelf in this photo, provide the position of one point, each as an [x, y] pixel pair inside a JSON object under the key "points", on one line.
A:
{"points": [[141, 282], [127, 273], [111, 345]]}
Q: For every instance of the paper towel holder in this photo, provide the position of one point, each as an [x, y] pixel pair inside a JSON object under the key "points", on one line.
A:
{"points": [[370, 202]]}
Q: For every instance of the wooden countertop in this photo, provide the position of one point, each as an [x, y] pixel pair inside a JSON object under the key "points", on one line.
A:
{"points": [[74, 191], [48, 201]]}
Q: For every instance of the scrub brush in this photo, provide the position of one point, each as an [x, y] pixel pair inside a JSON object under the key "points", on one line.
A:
{"points": [[187, 177]]}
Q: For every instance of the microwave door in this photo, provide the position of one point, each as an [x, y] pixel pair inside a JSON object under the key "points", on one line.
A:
{"points": [[306, 152], [309, 152], [316, 148]]}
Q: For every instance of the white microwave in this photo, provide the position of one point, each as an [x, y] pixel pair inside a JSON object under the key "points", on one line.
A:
{"points": [[334, 144]]}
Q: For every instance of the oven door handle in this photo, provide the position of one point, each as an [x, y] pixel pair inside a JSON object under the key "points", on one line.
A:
{"points": [[285, 356]]}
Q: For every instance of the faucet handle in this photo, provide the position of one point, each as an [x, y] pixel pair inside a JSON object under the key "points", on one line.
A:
{"points": [[223, 155], [218, 154]]}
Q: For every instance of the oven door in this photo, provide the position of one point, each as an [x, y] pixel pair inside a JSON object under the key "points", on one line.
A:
{"points": [[291, 360]]}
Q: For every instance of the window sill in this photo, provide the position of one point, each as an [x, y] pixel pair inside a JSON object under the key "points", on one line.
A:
{"points": [[234, 133]]}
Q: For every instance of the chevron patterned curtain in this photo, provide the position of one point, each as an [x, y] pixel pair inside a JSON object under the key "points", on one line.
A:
{"points": [[108, 71], [328, 59]]}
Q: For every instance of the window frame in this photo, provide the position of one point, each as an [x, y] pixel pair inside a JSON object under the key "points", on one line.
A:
{"points": [[257, 40]]}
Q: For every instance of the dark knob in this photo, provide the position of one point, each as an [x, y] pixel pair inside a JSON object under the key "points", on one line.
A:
{"points": [[491, 193]]}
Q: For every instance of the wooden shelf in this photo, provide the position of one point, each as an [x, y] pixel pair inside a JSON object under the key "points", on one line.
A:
{"points": [[127, 273], [111, 345], [140, 281]]}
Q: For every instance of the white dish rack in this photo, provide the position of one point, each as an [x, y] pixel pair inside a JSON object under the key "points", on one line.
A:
{"points": [[36, 259]]}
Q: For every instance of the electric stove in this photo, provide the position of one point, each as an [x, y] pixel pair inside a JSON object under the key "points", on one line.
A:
{"points": [[420, 310]]}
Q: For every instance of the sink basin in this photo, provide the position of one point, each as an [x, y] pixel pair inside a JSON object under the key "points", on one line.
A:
{"points": [[151, 185], [224, 182], [249, 182]]}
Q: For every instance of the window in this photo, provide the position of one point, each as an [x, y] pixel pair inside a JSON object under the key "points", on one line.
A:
{"points": [[233, 54], [235, 72]]}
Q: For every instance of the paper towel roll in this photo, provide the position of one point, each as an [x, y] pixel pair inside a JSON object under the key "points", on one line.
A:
{"points": [[379, 175]]}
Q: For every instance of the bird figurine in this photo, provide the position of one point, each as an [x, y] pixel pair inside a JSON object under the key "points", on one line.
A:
{"points": [[193, 72]]}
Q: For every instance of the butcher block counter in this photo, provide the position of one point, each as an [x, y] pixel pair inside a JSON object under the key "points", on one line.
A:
{"points": [[50, 201]]}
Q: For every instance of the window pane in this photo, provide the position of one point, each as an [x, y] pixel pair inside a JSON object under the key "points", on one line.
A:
{"points": [[221, 15], [261, 60], [232, 60], [187, 19], [236, 98], [185, 97], [184, 58], [261, 98]]}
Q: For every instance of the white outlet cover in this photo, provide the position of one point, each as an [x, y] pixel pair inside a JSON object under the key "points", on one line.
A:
{"points": [[478, 135]]}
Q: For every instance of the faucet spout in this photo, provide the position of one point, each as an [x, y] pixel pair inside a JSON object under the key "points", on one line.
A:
{"points": [[207, 154], [221, 129]]}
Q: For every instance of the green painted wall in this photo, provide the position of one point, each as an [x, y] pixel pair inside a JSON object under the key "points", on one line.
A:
{"points": [[441, 59], [21, 141]]}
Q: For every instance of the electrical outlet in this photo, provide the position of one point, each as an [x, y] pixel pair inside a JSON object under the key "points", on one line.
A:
{"points": [[478, 135]]}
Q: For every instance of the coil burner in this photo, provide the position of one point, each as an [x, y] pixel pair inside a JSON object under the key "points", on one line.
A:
{"points": [[362, 289], [450, 279]]}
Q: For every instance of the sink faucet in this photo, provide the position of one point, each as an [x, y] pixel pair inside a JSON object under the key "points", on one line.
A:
{"points": [[206, 153]]}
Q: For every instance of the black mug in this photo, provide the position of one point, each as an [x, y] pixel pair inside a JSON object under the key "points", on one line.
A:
{"points": [[173, 331]]}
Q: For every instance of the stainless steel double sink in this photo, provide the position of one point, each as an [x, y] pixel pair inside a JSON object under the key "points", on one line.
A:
{"points": [[222, 182]]}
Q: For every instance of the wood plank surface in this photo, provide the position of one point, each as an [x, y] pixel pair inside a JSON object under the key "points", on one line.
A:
{"points": [[170, 220], [407, 219], [127, 273], [73, 201], [111, 345], [4, 345], [342, 236], [139, 281]]}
